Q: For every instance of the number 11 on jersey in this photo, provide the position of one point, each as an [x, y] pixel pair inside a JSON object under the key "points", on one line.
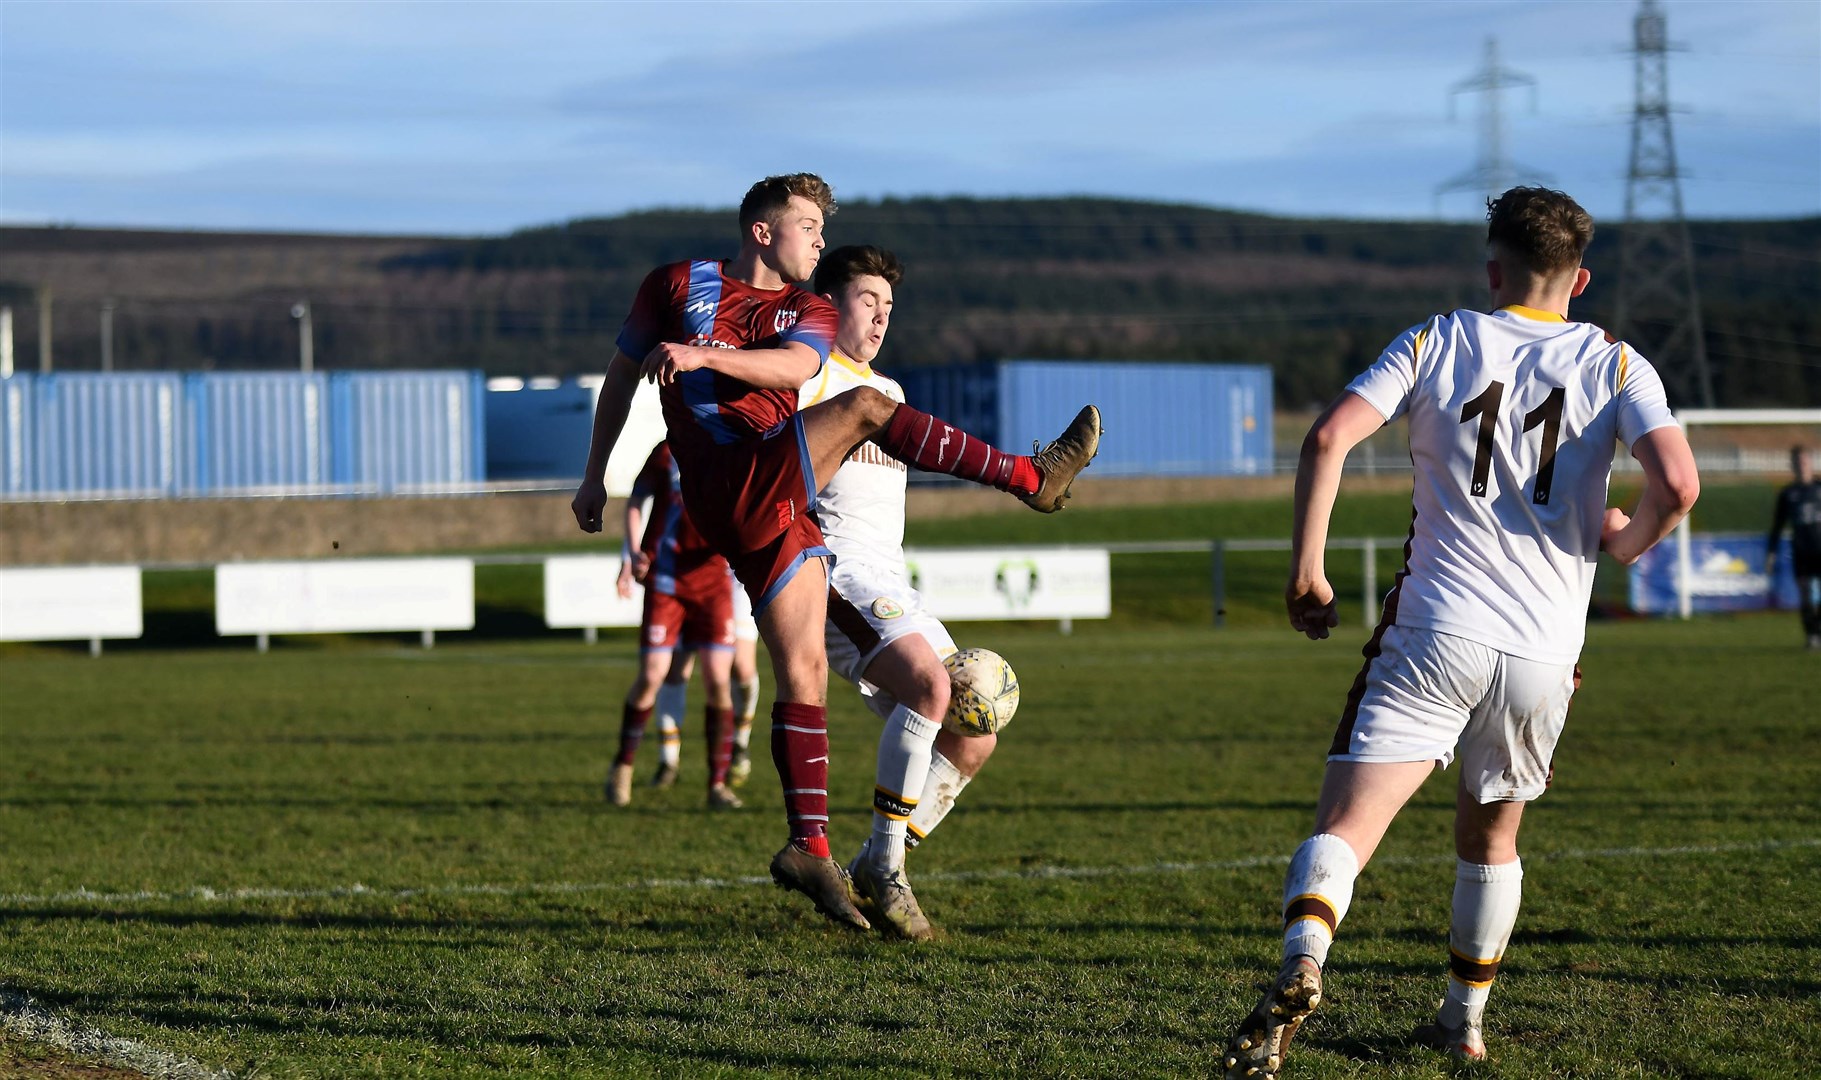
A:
{"points": [[1548, 415]]}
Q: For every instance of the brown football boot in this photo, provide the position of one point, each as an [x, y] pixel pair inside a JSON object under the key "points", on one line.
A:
{"points": [[820, 879], [1059, 463]]}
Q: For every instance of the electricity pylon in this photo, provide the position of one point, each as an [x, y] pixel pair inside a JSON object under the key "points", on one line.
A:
{"points": [[1494, 172], [1658, 307]]}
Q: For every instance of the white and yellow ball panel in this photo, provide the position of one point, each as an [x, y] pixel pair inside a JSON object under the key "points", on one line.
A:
{"points": [[983, 692]]}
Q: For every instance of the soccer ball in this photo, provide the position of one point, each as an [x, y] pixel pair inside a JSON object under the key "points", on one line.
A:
{"points": [[983, 692]]}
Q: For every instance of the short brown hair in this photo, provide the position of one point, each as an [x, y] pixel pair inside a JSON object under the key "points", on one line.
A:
{"points": [[1544, 228], [844, 264], [769, 197]]}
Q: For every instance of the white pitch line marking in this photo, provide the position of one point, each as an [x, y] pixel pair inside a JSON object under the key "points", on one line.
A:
{"points": [[21, 1017], [1031, 873]]}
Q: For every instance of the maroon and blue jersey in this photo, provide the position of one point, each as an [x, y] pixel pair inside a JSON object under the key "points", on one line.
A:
{"points": [[682, 562], [695, 303]]}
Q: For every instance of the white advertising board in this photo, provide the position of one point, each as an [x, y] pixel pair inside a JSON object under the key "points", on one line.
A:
{"points": [[1014, 583], [73, 603], [344, 596], [579, 594]]}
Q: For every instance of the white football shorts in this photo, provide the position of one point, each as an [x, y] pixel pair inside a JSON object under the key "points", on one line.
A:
{"points": [[744, 628], [1430, 696], [869, 608]]}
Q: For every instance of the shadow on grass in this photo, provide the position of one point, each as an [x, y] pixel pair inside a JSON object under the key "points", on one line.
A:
{"points": [[467, 1027]]}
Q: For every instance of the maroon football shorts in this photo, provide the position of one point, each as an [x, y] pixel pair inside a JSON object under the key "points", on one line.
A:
{"points": [[697, 615], [751, 500]]}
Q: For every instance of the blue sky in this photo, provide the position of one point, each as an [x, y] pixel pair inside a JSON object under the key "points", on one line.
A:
{"points": [[472, 118]]}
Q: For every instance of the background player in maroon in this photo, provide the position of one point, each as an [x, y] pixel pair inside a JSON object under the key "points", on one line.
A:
{"points": [[730, 344], [688, 606]]}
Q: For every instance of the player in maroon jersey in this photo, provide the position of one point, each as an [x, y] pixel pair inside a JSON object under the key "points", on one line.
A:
{"points": [[730, 344], [688, 606]]}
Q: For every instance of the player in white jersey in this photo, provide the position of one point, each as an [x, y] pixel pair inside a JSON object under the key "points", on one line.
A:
{"points": [[1513, 417], [879, 636]]}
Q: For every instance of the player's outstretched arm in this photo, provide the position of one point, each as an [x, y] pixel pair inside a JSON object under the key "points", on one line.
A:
{"points": [[609, 420], [1671, 485], [1308, 597]]}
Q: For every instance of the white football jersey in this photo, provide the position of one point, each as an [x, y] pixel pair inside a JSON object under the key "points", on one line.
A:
{"points": [[1513, 417], [861, 507]]}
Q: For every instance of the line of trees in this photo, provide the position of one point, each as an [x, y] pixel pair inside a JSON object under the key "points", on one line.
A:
{"points": [[1047, 278]]}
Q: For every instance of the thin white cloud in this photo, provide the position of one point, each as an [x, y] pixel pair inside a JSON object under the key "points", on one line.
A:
{"points": [[492, 115]]}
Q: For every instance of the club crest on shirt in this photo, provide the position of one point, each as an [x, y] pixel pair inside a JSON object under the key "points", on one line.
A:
{"points": [[784, 319], [886, 608]]}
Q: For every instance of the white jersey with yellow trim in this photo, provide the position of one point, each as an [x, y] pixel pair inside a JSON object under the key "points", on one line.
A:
{"points": [[861, 507], [1513, 417]]}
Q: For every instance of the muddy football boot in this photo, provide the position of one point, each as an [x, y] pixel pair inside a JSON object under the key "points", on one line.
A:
{"points": [[1061, 461], [1464, 1042], [1257, 1049], [892, 899], [820, 879]]}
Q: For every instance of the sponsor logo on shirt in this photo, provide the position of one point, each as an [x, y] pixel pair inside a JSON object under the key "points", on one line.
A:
{"points": [[869, 454], [705, 340]]}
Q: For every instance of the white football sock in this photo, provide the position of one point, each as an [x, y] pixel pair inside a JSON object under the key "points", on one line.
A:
{"points": [[940, 791], [1486, 900], [1317, 892], [904, 758], [745, 707], [673, 698]]}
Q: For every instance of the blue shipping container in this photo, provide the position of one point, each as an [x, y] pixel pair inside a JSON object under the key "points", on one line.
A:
{"points": [[215, 433], [249, 431], [1161, 419], [16, 435], [108, 433], [404, 430]]}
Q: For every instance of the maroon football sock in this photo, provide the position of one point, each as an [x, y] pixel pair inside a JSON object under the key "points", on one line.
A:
{"points": [[719, 726], [799, 748], [919, 439], [632, 732]]}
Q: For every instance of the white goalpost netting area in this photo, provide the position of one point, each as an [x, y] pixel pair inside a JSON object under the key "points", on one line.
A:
{"points": [[1764, 452]]}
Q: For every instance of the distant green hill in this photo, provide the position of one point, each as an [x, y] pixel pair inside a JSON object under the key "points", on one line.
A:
{"points": [[987, 278]]}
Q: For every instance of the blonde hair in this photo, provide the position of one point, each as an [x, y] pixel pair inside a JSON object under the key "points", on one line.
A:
{"points": [[769, 197]]}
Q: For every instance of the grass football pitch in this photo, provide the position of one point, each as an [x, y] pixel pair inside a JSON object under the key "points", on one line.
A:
{"points": [[354, 857]]}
